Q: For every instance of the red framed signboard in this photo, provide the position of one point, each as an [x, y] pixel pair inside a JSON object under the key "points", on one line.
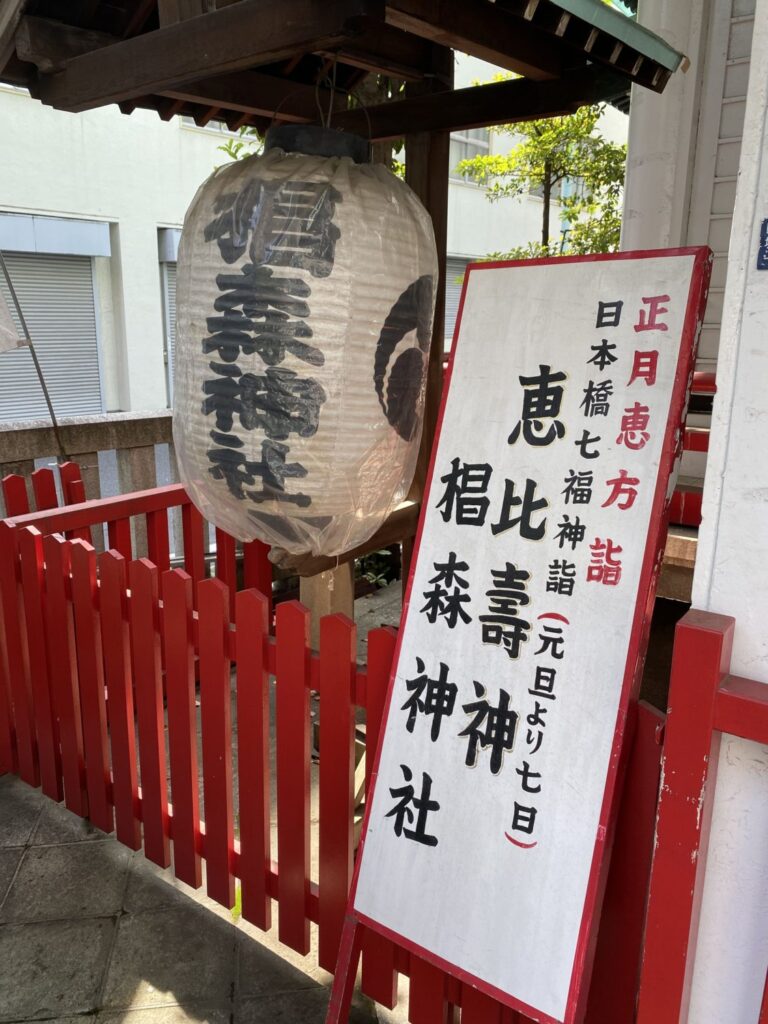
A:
{"points": [[525, 624]]}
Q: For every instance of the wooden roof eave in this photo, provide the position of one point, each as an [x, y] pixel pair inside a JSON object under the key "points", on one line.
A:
{"points": [[77, 69]]}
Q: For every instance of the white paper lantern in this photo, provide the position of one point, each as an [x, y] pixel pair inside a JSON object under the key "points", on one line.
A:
{"points": [[304, 304]]}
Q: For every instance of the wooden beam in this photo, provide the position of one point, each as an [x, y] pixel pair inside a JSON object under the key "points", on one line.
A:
{"points": [[253, 92], [401, 523], [248, 33], [500, 103], [50, 44], [389, 51], [10, 15], [427, 157], [169, 12], [483, 30]]}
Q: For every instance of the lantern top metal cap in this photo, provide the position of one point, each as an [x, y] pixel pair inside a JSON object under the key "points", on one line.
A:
{"points": [[316, 141]]}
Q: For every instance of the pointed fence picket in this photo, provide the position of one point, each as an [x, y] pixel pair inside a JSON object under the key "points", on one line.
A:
{"points": [[103, 661]]}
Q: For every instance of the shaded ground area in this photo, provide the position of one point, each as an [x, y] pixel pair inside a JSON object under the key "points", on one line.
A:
{"points": [[89, 929]]}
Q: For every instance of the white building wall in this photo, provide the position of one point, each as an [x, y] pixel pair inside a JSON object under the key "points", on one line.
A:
{"points": [[730, 578], [137, 173]]}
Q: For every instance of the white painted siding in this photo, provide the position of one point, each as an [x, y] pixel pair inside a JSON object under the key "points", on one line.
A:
{"points": [[716, 159]]}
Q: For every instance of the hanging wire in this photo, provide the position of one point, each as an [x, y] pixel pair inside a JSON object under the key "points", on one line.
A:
{"points": [[62, 457], [332, 92]]}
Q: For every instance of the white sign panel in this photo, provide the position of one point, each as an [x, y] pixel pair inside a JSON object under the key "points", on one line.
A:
{"points": [[520, 641]]}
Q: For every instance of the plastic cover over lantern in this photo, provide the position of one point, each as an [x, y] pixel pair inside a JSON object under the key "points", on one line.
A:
{"points": [[304, 305]]}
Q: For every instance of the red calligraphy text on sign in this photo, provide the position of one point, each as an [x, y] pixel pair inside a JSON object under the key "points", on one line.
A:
{"points": [[604, 567], [644, 367], [633, 423], [622, 486], [646, 318]]}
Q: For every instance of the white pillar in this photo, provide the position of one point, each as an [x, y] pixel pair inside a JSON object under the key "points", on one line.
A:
{"points": [[731, 577], [662, 132]]}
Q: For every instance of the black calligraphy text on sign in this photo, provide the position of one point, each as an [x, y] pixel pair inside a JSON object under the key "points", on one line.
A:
{"points": [[514, 654], [464, 500]]}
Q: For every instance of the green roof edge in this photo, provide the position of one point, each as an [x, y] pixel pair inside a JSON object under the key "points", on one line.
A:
{"points": [[627, 31]]}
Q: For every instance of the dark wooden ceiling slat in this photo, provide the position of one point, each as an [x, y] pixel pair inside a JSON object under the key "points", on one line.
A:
{"points": [[240, 36]]}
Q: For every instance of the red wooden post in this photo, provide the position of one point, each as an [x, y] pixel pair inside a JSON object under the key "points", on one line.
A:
{"points": [[119, 535], [62, 662], [764, 1005], [253, 756], [15, 495], [31, 556], [478, 1008], [145, 658], [8, 761], [44, 489], [216, 714], [257, 571], [72, 486], [91, 676], [73, 490], [293, 753], [182, 724], [158, 541], [613, 988], [194, 550], [379, 980], [426, 1004], [337, 777], [226, 564], [15, 638], [343, 987], [114, 627], [700, 659]]}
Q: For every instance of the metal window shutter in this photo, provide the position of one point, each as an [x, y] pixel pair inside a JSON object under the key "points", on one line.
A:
{"points": [[454, 272], [169, 310], [56, 297]]}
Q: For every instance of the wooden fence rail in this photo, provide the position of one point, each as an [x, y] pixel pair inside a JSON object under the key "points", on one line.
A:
{"points": [[103, 660]]}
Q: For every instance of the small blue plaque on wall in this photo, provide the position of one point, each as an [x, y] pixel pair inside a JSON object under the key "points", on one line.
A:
{"points": [[762, 252]]}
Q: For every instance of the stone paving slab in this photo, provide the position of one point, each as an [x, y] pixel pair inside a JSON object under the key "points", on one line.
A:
{"points": [[50, 969], [92, 932], [72, 881]]}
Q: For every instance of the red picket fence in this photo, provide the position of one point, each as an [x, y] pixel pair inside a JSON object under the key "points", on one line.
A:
{"points": [[705, 700], [685, 506], [103, 660]]}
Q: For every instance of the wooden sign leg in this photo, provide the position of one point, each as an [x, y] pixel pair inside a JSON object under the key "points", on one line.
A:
{"points": [[346, 971]]}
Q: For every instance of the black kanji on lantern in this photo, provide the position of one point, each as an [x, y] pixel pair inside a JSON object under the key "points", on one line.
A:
{"points": [[259, 312], [502, 625], [407, 802], [447, 592], [431, 697], [542, 398], [491, 727], [527, 505], [464, 498]]}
